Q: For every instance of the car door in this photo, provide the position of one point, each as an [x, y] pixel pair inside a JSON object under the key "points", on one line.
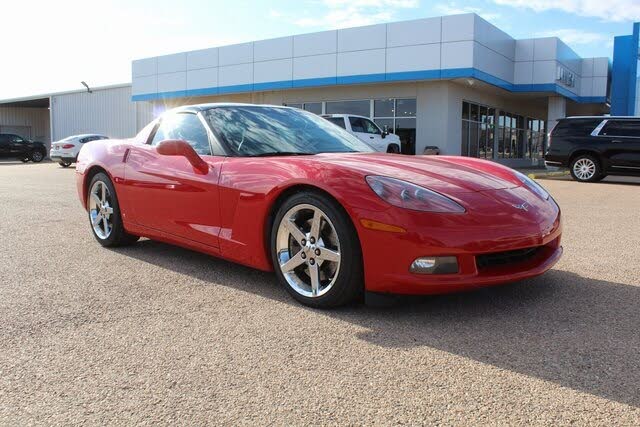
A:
{"points": [[18, 146], [622, 149], [166, 193], [368, 132], [5, 147]]}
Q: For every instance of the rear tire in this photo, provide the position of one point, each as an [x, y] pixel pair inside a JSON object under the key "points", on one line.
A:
{"points": [[104, 213], [586, 168], [328, 250], [64, 164], [25, 160], [37, 156]]}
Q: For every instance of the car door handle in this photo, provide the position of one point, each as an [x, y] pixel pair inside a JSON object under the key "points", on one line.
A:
{"points": [[616, 141], [370, 137]]}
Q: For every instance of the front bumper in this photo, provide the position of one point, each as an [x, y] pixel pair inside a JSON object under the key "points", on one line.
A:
{"points": [[388, 256], [60, 157]]}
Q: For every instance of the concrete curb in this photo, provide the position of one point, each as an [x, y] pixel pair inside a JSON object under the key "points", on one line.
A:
{"points": [[547, 174]]}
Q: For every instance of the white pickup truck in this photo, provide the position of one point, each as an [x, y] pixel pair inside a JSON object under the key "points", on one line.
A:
{"points": [[366, 130]]}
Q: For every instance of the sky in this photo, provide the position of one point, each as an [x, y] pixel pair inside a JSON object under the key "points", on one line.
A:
{"points": [[50, 46]]}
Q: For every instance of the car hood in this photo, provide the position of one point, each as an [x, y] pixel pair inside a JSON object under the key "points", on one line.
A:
{"points": [[444, 174]]}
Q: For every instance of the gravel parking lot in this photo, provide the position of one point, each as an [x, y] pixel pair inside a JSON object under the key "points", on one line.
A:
{"points": [[156, 334]]}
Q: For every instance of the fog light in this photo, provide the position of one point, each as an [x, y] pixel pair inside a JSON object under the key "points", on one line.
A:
{"points": [[435, 265]]}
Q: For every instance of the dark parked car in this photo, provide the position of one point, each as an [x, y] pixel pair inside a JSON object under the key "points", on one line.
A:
{"points": [[17, 147], [594, 147]]}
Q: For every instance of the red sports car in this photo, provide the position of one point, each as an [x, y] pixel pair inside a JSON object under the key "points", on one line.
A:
{"points": [[277, 188]]}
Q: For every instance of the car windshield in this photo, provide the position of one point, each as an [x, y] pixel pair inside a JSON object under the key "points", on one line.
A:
{"points": [[264, 131]]}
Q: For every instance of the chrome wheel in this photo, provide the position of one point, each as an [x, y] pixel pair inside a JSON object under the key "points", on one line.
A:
{"points": [[584, 169], [308, 250], [37, 156], [100, 210]]}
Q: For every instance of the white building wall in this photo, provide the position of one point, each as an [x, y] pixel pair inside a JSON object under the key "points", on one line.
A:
{"points": [[107, 111], [425, 49]]}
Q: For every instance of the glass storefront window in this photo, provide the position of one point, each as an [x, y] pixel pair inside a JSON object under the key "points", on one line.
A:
{"points": [[406, 107], [358, 108], [384, 108], [385, 124], [406, 130], [313, 107], [294, 105]]}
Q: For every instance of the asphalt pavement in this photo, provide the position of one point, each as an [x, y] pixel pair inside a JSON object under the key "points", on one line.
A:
{"points": [[154, 334]]}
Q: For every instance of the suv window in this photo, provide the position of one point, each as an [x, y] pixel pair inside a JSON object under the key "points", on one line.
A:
{"points": [[575, 127], [185, 126], [18, 139], [358, 124], [628, 128], [339, 121]]}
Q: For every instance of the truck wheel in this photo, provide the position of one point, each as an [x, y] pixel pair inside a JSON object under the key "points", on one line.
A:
{"points": [[393, 148]]}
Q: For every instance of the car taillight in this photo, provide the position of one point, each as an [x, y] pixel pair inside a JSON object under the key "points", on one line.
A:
{"points": [[68, 146]]}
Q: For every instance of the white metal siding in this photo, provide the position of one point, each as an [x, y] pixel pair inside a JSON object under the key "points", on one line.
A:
{"points": [[105, 111]]}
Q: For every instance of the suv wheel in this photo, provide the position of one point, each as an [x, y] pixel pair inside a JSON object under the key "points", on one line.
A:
{"points": [[586, 168], [37, 156]]}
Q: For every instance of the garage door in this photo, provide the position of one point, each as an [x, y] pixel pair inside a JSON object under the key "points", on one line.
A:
{"points": [[23, 131]]}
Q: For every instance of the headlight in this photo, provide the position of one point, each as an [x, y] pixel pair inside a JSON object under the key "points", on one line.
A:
{"points": [[406, 195], [533, 186]]}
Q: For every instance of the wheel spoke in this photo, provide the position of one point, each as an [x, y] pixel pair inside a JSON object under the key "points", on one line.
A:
{"points": [[294, 230], [293, 262], [105, 226], [108, 210], [95, 199], [315, 224], [329, 255], [104, 192], [314, 275], [96, 220]]}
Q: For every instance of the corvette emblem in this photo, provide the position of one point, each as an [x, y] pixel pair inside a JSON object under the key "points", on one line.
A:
{"points": [[523, 206]]}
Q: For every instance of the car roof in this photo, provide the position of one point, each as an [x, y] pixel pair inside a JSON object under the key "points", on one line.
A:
{"points": [[601, 117], [202, 107], [343, 115], [84, 135]]}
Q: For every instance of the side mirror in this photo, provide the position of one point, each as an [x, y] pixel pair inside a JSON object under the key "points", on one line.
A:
{"points": [[385, 131], [178, 147]]}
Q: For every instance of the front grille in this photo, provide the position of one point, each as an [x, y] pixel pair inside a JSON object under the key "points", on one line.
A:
{"points": [[505, 258]]}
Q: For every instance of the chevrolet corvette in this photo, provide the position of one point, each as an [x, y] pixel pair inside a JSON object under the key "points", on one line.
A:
{"points": [[280, 189]]}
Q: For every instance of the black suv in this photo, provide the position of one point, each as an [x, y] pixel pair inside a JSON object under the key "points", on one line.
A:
{"points": [[594, 147], [17, 147]]}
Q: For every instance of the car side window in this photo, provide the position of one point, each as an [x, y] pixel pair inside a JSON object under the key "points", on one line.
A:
{"points": [[339, 121], [184, 126], [17, 139], [371, 127], [357, 124], [624, 128]]}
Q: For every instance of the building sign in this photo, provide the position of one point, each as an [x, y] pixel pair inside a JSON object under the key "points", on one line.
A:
{"points": [[566, 77]]}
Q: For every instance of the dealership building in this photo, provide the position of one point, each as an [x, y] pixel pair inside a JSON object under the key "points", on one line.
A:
{"points": [[455, 82]]}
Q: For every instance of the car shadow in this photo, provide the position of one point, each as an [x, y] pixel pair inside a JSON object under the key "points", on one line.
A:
{"points": [[575, 331]]}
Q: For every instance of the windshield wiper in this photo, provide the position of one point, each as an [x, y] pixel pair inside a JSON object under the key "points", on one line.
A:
{"points": [[283, 153]]}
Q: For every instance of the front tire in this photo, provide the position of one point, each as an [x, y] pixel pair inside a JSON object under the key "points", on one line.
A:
{"points": [[104, 213], [586, 168], [393, 148], [315, 251]]}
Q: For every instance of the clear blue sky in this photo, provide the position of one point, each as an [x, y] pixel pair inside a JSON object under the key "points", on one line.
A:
{"points": [[56, 44]]}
